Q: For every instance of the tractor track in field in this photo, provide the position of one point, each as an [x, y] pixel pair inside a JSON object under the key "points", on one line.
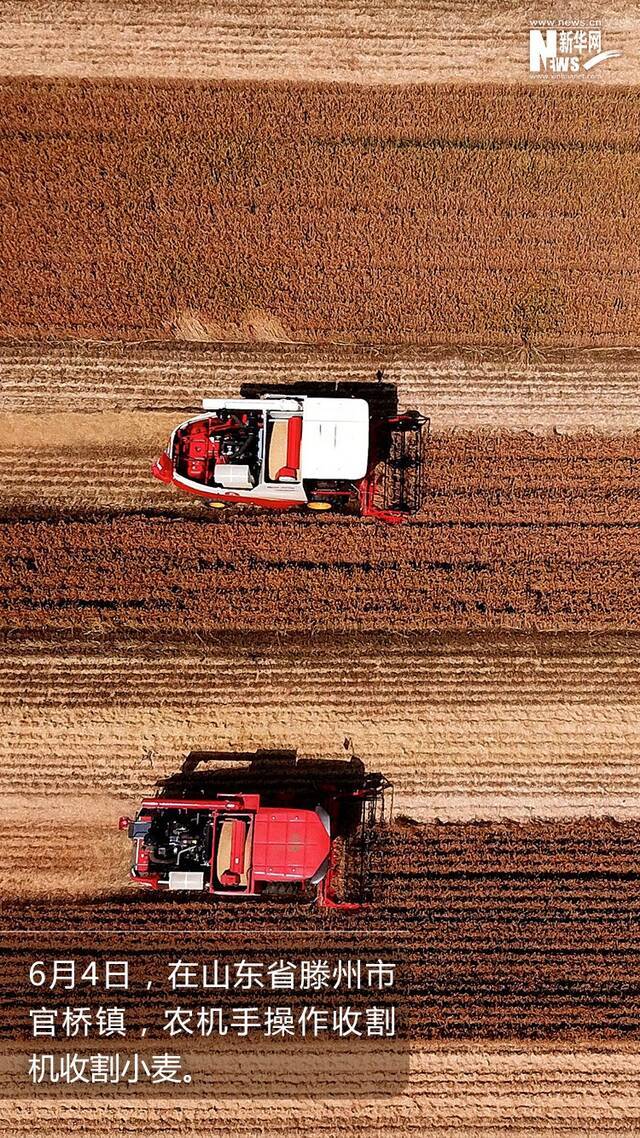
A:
{"points": [[150, 574], [498, 930]]}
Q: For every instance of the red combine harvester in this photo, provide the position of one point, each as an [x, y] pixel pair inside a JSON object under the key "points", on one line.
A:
{"points": [[288, 451], [233, 846]]}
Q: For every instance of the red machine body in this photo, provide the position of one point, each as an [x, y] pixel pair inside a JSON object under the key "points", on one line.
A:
{"points": [[229, 846], [235, 846]]}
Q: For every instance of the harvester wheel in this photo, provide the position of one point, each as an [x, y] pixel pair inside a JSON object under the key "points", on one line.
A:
{"points": [[319, 506]]}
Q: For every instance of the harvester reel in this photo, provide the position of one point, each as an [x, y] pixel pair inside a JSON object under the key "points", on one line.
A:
{"points": [[402, 487]]}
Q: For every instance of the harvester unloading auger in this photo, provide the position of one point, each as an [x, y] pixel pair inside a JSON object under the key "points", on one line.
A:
{"points": [[250, 846], [288, 451]]}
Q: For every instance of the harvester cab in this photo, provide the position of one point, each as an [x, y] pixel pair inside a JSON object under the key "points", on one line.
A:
{"points": [[234, 846], [288, 451]]}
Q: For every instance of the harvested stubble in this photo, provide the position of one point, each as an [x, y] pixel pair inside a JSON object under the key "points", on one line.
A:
{"points": [[339, 40], [459, 387], [62, 826], [283, 212], [453, 1090], [163, 575], [466, 726], [498, 930]]}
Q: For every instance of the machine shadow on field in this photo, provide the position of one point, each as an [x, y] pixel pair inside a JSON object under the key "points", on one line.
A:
{"points": [[273, 774], [381, 395]]}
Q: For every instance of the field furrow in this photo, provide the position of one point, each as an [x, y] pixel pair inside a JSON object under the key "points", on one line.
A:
{"points": [[465, 726]]}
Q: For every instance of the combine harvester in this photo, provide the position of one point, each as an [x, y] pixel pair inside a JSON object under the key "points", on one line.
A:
{"points": [[235, 847], [288, 451]]}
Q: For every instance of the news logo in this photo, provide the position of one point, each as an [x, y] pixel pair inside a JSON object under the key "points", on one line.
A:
{"points": [[566, 47]]}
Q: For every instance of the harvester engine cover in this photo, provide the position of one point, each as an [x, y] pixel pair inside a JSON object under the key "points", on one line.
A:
{"points": [[221, 451]]}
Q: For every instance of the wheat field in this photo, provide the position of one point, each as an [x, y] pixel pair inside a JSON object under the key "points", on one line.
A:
{"points": [[204, 199]]}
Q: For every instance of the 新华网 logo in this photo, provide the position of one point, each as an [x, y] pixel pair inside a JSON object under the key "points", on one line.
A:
{"points": [[564, 47]]}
